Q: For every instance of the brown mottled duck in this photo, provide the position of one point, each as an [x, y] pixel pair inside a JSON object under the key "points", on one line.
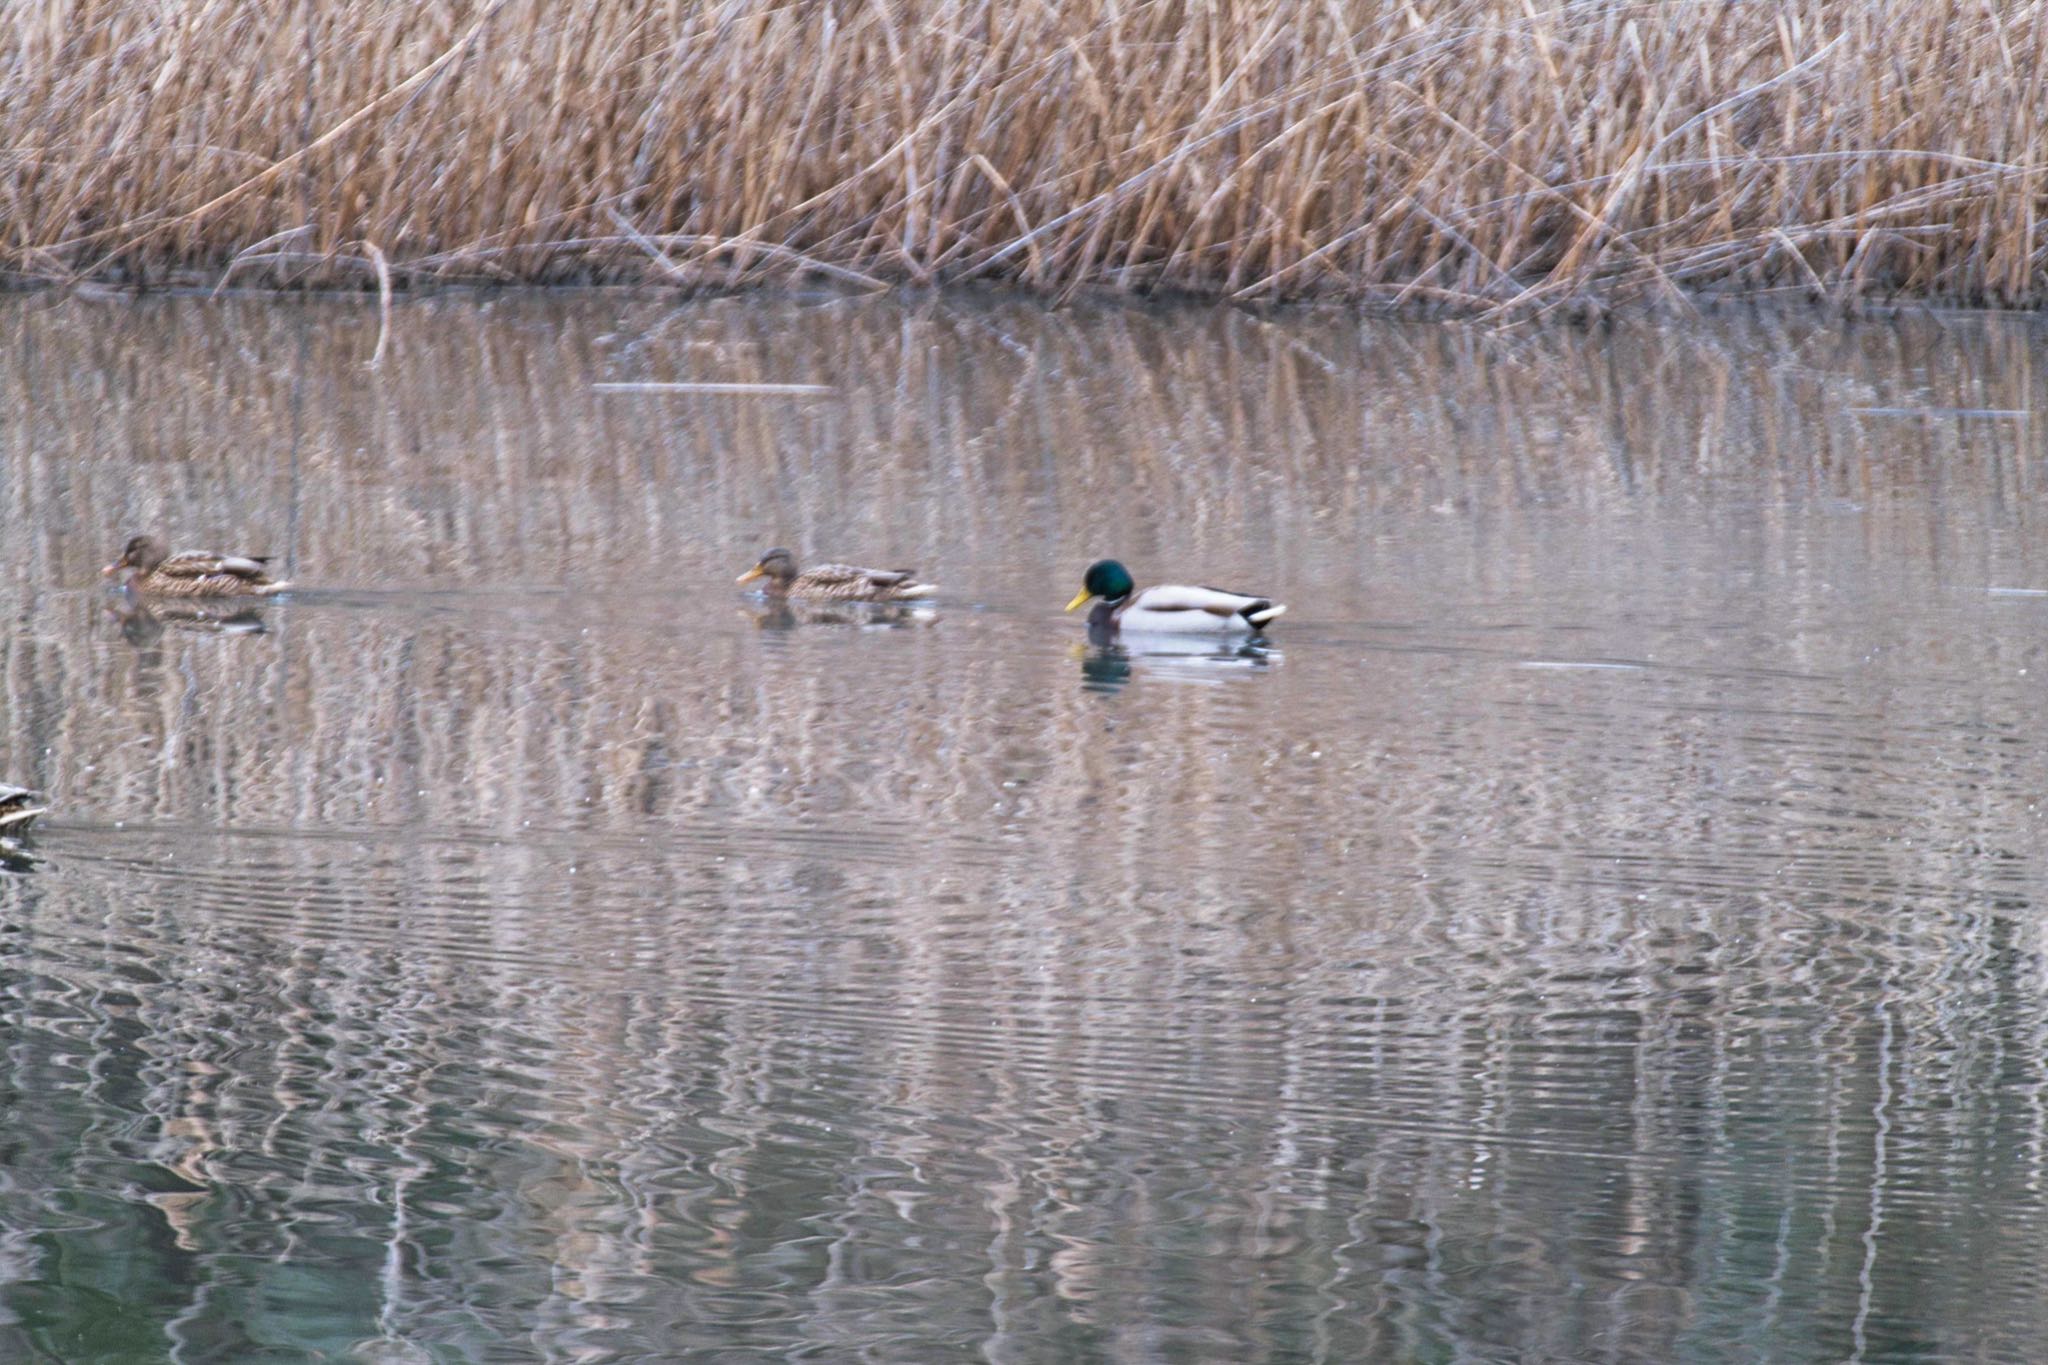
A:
{"points": [[836, 582], [151, 569]]}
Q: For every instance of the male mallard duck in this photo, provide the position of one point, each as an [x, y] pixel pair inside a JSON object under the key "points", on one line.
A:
{"points": [[18, 810], [1169, 606], [192, 573], [836, 582]]}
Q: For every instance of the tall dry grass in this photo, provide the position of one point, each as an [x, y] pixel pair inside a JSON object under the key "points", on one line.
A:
{"points": [[1475, 153]]}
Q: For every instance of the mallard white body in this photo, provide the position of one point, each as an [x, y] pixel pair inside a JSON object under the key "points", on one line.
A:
{"points": [[1171, 608]]}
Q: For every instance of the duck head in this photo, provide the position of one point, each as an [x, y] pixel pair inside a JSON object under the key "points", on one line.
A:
{"points": [[778, 566], [1106, 579], [139, 555]]}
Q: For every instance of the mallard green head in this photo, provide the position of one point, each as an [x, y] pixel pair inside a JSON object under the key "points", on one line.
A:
{"points": [[777, 566], [1106, 579]]}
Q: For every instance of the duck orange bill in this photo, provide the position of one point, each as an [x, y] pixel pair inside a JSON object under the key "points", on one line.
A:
{"points": [[1079, 598], [112, 569], [750, 575]]}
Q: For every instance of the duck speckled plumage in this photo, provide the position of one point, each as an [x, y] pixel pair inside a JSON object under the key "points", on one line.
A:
{"points": [[152, 569], [836, 582]]}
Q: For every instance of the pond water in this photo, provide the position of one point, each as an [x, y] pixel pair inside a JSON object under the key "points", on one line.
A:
{"points": [[1606, 924]]}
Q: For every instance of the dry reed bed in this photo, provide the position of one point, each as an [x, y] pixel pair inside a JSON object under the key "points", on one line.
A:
{"points": [[1471, 153]]}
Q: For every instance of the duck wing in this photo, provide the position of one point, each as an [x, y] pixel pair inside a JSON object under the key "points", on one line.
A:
{"points": [[203, 564], [1168, 598], [836, 576], [851, 580]]}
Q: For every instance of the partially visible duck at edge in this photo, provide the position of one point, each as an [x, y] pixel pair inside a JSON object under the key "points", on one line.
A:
{"points": [[835, 582], [1167, 607], [145, 566], [19, 808]]}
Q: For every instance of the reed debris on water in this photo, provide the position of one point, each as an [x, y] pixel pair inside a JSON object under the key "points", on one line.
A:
{"points": [[1494, 155]]}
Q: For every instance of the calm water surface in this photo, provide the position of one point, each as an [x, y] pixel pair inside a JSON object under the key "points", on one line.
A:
{"points": [[1607, 925]]}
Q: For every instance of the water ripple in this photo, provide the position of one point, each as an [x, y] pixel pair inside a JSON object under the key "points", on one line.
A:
{"points": [[1601, 923]]}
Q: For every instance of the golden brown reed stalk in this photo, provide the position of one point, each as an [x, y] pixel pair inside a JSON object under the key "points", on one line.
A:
{"points": [[1479, 154]]}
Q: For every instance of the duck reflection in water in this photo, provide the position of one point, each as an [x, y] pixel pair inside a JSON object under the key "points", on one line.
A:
{"points": [[1109, 661], [143, 623], [787, 613]]}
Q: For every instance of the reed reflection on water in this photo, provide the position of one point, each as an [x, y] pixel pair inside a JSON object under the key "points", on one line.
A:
{"points": [[1602, 924]]}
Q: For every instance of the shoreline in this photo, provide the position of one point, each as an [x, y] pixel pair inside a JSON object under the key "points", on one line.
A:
{"points": [[1589, 311], [1473, 158]]}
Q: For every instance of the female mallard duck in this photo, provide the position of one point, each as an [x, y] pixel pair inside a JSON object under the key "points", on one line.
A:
{"points": [[150, 568], [836, 582], [1169, 606]]}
